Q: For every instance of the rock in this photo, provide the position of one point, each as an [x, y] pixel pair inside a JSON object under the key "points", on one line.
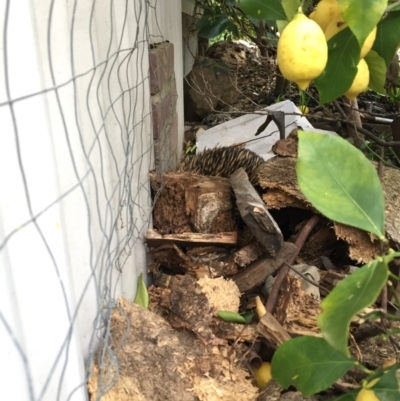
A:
{"points": [[208, 87], [234, 53]]}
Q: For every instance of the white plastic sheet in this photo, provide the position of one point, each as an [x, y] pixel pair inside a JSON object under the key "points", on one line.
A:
{"points": [[243, 129]]}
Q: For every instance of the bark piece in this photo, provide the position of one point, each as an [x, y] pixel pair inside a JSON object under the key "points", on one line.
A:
{"points": [[255, 214], [256, 273], [287, 146], [191, 203], [278, 175], [154, 238], [362, 246], [296, 310]]}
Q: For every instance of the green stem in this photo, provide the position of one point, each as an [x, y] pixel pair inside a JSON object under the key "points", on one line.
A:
{"points": [[363, 368], [393, 5]]}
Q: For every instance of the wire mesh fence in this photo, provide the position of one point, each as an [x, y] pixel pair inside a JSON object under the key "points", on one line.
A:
{"points": [[75, 151]]}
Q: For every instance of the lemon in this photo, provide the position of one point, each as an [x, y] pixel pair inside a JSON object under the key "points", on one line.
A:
{"points": [[263, 374], [304, 109], [324, 12], [360, 82], [302, 51], [367, 395], [337, 24]]}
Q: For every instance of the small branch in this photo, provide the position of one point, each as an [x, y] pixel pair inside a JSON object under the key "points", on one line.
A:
{"points": [[300, 240]]}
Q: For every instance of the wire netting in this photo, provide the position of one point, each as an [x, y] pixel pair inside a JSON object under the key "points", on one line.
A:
{"points": [[76, 148]]}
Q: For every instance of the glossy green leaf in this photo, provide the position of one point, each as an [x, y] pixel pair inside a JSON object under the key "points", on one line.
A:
{"points": [[339, 73], [387, 388], [308, 363], [350, 296], [362, 15], [347, 397], [263, 10], [142, 296], [377, 72], [210, 26], [388, 37], [290, 7], [231, 317], [247, 316], [340, 182]]}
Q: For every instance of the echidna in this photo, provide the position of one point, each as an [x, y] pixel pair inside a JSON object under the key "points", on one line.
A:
{"points": [[222, 162]]}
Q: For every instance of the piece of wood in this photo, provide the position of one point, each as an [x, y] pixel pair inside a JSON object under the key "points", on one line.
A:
{"points": [[272, 330], [255, 214], [186, 202], [154, 239], [256, 273], [243, 257]]}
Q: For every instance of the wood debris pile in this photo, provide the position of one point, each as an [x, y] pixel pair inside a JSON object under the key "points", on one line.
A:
{"points": [[217, 244]]}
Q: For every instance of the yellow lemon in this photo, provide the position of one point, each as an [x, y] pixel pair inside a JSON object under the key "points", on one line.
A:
{"points": [[324, 12], [367, 395], [304, 109], [360, 82], [337, 24], [302, 51], [263, 374]]}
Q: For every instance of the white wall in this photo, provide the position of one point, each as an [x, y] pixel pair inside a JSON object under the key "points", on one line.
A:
{"points": [[75, 151]]}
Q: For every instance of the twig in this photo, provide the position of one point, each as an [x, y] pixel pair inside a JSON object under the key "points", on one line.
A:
{"points": [[300, 240]]}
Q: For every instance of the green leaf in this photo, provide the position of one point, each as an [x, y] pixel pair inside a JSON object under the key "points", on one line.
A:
{"points": [[290, 7], [340, 182], [388, 37], [387, 388], [142, 296], [263, 10], [339, 73], [350, 296], [362, 15], [347, 397], [308, 363], [247, 316], [231, 317], [211, 26], [377, 72]]}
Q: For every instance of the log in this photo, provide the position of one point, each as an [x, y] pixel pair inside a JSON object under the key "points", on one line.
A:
{"points": [[192, 203]]}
